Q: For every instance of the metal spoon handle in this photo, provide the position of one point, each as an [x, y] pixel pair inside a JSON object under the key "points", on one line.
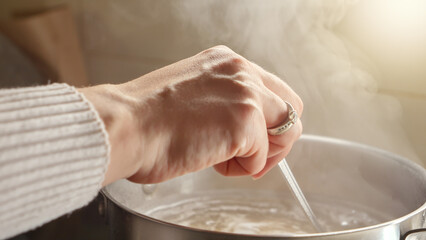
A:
{"points": [[298, 194]]}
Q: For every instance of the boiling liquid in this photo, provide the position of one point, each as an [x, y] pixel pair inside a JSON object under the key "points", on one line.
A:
{"points": [[259, 213]]}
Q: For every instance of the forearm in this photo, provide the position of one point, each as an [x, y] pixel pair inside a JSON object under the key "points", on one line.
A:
{"points": [[53, 155]]}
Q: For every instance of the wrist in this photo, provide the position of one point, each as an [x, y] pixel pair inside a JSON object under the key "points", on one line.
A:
{"points": [[115, 111]]}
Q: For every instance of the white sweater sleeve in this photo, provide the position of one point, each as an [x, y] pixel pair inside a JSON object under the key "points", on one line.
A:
{"points": [[54, 153]]}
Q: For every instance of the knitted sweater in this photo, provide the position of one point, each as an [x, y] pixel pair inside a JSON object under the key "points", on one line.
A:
{"points": [[53, 155]]}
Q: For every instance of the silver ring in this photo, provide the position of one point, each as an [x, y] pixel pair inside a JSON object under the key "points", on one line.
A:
{"points": [[290, 121]]}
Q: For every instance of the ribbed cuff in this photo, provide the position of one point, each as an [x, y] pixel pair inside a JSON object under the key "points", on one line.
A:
{"points": [[54, 153]]}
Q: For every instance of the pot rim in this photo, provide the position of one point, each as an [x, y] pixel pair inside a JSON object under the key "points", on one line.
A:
{"points": [[406, 162]]}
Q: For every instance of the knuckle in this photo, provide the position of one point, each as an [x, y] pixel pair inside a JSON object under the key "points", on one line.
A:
{"points": [[243, 116], [222, 60], [246, 112], [246, 119], [217, 51], [243, 92], [222, 48], [233, 67], [236, 60], [232, 64]]}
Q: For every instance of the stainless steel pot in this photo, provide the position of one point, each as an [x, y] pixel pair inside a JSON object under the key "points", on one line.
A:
{"points": [[337, 169]]}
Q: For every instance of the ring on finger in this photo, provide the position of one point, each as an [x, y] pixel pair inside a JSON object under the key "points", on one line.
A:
{"points": [[287, 124]]}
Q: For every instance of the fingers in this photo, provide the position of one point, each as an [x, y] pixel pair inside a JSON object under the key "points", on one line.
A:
{"points": [[276, 113], [241, 166], [252, 158], [279, 147], [281, 89], [265, 154], [274, 149], [276, 154], [266, 150], [279, 143], [271, 162], [274, 108]]}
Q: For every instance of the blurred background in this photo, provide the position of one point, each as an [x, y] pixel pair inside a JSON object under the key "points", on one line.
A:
{"points": [[359, 66]]}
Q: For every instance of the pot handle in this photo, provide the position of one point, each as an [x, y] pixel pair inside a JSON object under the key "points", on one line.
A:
{"points": [[416, 234], [102, 206]]}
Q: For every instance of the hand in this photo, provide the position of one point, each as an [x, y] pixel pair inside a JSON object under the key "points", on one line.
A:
{"points": [[212, 109]]}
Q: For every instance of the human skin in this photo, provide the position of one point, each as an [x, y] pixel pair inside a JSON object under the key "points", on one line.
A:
{"points": [[212, 109]]}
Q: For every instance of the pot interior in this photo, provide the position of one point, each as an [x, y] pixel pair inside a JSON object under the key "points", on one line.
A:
{"points": [[330, 171]]}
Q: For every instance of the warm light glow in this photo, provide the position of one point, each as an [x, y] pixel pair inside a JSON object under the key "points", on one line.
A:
{"points": [[399, 18], [392, 33]]}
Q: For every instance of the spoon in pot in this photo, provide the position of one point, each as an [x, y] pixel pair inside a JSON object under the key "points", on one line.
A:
{"points": [[298, 194]]}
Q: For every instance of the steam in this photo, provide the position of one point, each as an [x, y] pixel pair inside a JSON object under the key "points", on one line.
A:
{"points": [[295, 40]]}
